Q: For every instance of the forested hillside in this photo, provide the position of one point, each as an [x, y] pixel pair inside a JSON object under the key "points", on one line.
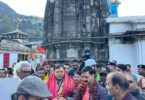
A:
{"points": [[9, 19]]}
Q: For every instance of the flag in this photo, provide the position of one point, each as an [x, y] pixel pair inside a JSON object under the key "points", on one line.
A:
{"points": [[41, 50]]}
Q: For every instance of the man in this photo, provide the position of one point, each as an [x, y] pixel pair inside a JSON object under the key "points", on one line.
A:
{"points": [[60, 84], [67, 67], [92, 63], [141, 70], [77, 78], [133, 86], [98, 69], [122, 68], [10, 72], [40, 71], [117, 86], [23, 69], [89, 89], [103, 75], [2, 73], [128, 68], [112, 66], [75, 67], [31, 88], [47, 66]]}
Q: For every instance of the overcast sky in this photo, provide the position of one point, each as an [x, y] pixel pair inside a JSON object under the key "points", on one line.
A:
{"points": [[36, 7], [27, 7], [131, 8]]}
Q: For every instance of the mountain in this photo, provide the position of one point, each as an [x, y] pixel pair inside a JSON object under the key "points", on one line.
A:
{"points": [[9, 19]]}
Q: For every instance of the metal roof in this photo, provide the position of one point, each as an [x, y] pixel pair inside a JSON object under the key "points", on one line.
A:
{"points": [[8, 45]]}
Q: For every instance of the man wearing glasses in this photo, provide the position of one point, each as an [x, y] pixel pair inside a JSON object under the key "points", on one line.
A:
{"points": [[23, 69]]}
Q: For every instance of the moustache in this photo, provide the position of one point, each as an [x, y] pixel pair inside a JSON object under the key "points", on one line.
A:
{"points": [[86, 81]]}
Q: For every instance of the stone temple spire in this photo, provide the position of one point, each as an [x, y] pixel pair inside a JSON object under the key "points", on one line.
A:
{"points": [[72, 26]]}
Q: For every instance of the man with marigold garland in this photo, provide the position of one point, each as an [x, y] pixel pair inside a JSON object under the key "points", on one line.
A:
{"points": [[89, 88]]}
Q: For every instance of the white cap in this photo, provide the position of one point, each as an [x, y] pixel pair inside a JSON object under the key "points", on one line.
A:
{"points": [[90, 62]]}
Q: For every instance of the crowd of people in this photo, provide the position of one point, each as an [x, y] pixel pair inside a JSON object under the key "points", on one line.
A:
{"points": [[86, 80]]}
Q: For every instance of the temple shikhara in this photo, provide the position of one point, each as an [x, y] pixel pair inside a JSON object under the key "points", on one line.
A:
{"points": [[73, 26]]}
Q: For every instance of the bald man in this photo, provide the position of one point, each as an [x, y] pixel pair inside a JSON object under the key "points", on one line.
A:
{"points": [[117, 86]]}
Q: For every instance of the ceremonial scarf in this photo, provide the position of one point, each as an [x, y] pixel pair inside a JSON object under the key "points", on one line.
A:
{"points": [[67, 87], [86, 95]]}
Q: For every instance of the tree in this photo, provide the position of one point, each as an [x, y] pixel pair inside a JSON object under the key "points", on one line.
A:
{"points": [[6, 24]]}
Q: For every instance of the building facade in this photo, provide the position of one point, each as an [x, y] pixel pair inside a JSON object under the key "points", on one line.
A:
{"points": [[14, 47], [127, 40]]}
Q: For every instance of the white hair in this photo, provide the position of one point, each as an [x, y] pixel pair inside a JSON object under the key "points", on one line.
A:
{"points": [[22, 64]]}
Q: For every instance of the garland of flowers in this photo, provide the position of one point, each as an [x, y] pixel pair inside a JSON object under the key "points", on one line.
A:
{"points": [[95, 88], [82, 90]]}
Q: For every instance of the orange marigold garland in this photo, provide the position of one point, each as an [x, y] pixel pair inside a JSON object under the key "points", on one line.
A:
{"points": [[95, 88]]}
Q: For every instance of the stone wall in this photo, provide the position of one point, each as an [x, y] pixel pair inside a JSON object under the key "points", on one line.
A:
{"points": [[71, 25]]}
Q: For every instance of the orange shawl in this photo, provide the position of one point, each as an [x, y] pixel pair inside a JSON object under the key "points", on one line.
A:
{"points": [[67, 88]]}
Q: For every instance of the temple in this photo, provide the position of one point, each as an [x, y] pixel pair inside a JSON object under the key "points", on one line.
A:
{"points": [[73, 26]]}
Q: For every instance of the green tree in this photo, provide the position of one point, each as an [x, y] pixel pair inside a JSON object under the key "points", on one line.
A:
{"points": [[6, 24]]}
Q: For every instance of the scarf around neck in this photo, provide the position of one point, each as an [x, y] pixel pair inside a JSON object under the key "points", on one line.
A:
{"points": [[67, 89]]}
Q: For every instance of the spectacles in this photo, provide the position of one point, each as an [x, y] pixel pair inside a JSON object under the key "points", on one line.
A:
{"points": [[26, 72]]}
